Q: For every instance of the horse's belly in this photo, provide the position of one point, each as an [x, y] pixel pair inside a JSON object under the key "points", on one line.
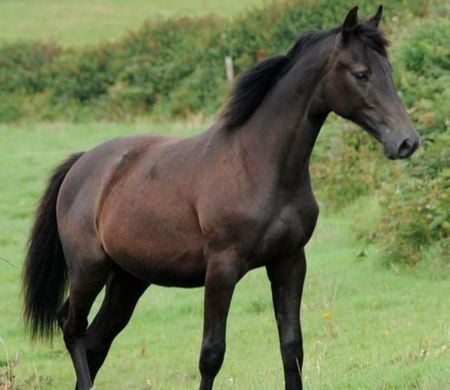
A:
{"points": [[165, 251], [158, 241], [166, 269]]}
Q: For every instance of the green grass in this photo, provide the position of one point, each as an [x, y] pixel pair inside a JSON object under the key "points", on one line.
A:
{"points": [[364, 326], [81, 22]]}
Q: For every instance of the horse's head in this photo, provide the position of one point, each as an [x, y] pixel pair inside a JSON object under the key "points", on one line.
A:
{"points": [[358, 86]]}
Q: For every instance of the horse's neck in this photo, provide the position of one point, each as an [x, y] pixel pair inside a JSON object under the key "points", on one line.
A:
{"points": [[283, 130]]}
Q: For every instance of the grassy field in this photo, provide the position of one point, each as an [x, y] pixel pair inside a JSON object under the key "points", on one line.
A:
{"points": [[365, 327], [76, 23]]}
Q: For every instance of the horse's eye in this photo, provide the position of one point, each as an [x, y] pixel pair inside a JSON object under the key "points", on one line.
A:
{"points": [[361, 76]]}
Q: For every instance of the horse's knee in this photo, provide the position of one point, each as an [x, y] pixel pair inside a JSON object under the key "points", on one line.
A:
{"points": [[291, 346], [292, 352], [211, 357]]}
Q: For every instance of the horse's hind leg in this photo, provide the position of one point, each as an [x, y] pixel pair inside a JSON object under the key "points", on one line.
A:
{"points": [[85, 284], [122, 293]]}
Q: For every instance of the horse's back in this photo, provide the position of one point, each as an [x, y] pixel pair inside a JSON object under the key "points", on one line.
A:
{"points": [[94, 168]]}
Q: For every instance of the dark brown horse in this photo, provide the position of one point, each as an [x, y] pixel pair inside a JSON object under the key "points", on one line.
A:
{"points": [[205, 210]]}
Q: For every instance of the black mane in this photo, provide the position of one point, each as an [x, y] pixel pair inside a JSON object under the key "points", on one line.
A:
{"points": [[253, 85]]}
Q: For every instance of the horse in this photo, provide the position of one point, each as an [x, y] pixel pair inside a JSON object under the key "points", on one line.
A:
{"points": [[206, 209]]}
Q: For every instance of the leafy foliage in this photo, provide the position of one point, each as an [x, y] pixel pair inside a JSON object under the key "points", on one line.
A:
{"points": [[345, 164], [173, 67], [417, 203]]}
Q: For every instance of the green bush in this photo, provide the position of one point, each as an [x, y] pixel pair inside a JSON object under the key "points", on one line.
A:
{"points": [[417, 204], [345, 164], [159, 58], [78, 77], [22, 65], [175, 67]]}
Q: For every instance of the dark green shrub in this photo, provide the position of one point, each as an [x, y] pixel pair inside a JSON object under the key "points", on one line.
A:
{"points": [[345, 164], [156, 60], [198, 93], [170, 66], [417, 204], [22, 65], [80, 76]]}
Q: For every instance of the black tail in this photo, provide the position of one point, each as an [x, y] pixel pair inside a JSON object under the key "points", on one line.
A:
{"points": [[45, 271]]}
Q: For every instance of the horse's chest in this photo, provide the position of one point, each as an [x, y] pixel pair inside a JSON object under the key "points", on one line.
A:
{"points": [[290, 230]]}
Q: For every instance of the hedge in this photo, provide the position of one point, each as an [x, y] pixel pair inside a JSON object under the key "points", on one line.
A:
{"points": [[417, 204], [173, 67]]}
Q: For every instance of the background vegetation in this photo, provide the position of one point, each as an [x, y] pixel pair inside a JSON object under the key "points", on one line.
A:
{"points": [[387, 260], [166, 68]]}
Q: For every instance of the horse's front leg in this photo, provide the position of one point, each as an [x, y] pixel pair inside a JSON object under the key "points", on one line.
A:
{"points": [[222, 274], [286, 277]]}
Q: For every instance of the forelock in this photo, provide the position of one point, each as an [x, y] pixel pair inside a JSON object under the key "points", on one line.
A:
{"points": [[372, 37]]}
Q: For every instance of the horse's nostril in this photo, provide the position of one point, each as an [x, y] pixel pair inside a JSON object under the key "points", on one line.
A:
{"points": [[406, 148]]}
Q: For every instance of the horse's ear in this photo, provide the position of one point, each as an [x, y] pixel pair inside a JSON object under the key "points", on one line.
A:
{"points": [[350, 23], [375, 20]]}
